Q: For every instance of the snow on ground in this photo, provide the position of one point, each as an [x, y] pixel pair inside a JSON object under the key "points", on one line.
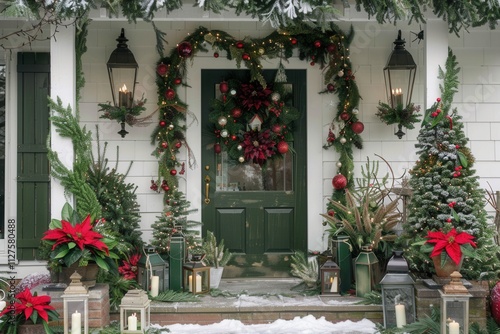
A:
{"points": [[304, 325]]}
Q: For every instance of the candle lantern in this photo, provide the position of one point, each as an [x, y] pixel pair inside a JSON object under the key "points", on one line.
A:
{"points": [[152, 264], [455, 306], [75, 306], [122, 69], [367, 271], [135, 312], [196, 278], [398, 293], [330, 278], [341, 253], [176, 260]]}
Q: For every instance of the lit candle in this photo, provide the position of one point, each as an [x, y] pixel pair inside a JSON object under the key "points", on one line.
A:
{"points": [[198, 283], [76, 323], [334, 283], [124, 97], [2, 304], [454, 327], [155, 284], [400, 316], [132, 322]]}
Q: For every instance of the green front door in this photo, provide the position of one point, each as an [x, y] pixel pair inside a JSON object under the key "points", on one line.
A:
{"points": [[260, 212]]}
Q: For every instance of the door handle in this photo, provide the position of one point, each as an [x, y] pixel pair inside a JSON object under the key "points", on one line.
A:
{"points": [[207, 189]]}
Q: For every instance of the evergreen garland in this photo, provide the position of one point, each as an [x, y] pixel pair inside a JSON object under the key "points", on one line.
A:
{"points": [[446, 191]]}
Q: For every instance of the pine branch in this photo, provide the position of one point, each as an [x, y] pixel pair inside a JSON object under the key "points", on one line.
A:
{"points": [[171, 296]]}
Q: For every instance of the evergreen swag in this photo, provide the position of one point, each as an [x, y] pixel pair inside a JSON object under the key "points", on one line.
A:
{"points": [[446, 192], [231, 113], [406, 117]]}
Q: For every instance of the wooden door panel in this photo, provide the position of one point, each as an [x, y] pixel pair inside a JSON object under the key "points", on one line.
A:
{"points": [[279, 230]]}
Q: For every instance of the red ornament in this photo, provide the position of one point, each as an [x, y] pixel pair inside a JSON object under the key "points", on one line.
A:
{"points": [[317, 44], [217, 148], [161, 69], [312, 63], [434, 114], [184, 49], [177, 81], [283, 147], [173, 172], [163, 123], [345, 116], [293, 40], [165, 188], [331, 48], [234, 137], [331, 213], [164, 144], [170, 94], [438, 99], [153, 186], [240, 45], [216, 55], [330, 87], [339, 182], [245, 56], [223, 87], [357, 127], [178, 144], [236, 113], [495, 302], [276, 128]]}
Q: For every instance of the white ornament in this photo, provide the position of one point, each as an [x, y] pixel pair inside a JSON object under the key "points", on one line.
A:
{"points": [[222, 121], [341, 73], [232, 92], [171, 127], [275, 97], [241, 159], [339, 164], [355, 111], [224, 133], [343, 140], [239, 147]]}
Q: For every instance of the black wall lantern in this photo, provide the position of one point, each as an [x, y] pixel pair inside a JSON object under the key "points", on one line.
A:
{"points": [[122, 69], [399, 75]]}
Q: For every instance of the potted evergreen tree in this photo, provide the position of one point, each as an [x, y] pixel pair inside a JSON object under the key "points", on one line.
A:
{"points": [[216, 256]]}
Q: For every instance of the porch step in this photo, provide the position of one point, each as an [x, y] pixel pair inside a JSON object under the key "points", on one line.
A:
{"points": [[257, 301]]}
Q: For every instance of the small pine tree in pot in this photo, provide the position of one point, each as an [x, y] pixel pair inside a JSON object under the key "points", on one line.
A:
{"points": [[216, 256]]}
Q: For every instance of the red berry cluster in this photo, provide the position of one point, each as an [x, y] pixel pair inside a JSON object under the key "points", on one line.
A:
{"points": [[457, 171], [435, 113], [452, 204], [153, 186]]}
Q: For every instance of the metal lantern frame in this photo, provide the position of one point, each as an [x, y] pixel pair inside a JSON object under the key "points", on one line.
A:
{"points": [[330, 278], [191, 271], [122, 59], [455, 305], [367, 271], [135, 301], [400, 64], [76, 300], [398, 293], [152, 264]]}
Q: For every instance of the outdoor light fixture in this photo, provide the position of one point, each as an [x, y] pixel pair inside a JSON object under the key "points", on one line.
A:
{"points": [[367, 271], [150, 266], [399, 76], [135, 312], [341, 254], [398, 293], [122, 69], [455, 306], [330, 278], [196, 278], [75, 306]]}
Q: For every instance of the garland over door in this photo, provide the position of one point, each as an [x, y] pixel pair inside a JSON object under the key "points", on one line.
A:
{"points": [[33, 181]]}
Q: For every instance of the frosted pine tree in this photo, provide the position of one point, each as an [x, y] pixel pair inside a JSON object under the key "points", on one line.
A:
{"points": [[446, 191]]}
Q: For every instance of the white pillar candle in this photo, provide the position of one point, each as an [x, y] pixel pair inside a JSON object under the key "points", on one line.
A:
{"points": [[2, 304], [76, 323], [198, 283], [334, 287], [132, 322], [155, 284], [400, 316], [454, 327]]}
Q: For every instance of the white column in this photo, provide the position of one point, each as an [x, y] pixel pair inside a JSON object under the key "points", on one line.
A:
{"points": [[436, 52], [63, 83]]}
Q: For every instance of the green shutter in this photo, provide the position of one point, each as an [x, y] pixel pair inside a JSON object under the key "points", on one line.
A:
{"points": [[33, 180]]}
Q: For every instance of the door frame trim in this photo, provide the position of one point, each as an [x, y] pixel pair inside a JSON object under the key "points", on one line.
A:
{"points": [[315, 102]]}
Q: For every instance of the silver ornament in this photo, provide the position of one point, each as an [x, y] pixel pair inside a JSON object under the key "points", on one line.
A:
{"points": [[224, 133], [241, 159], [355, 111], [339, 164], [232, 92], [222, 121], [275, 97], [239, 147], [341, 73], [171, 127], [343, 140]]}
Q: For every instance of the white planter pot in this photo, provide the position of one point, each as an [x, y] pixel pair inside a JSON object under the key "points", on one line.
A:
{"points": [[215, 276]]}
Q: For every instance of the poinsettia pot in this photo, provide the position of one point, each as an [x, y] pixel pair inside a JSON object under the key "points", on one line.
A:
{"points": [[30, 328], [444, 269], [88, 273]]}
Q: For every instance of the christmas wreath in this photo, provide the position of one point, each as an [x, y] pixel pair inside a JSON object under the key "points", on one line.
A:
{"points": [[406, 117], [253, 123]]}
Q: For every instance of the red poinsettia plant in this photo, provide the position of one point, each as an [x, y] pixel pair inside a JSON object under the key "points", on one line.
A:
{"points": [[27, 308], [72, 240], [129, 268], [453, 244]]}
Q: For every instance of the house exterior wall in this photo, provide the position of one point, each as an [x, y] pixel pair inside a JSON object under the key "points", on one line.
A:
{"points": [[478, 54]]}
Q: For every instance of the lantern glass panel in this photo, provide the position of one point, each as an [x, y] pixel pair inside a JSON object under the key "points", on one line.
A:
{"points": [[454, 308], [75, 314], [367, 271], [399, 86], [330, 277], [398, 295]]}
